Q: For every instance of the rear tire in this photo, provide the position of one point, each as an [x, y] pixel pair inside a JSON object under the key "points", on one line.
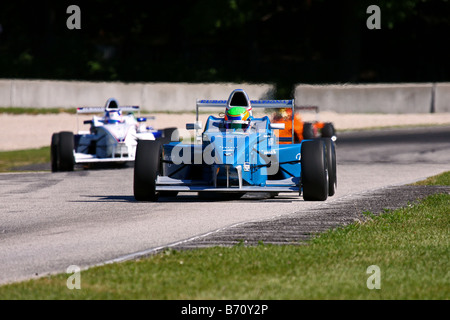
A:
{"points": [[314, 173], [54, 152], [332, 168], [146, 169], [66, 159], [308, 131], [328, 130]]}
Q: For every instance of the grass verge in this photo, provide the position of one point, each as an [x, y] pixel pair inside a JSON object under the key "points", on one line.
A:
{"points": [[410, 246], [438, 180], [9, 160], [35, 111]]}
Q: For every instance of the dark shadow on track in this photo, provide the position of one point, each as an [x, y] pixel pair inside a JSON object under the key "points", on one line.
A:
{"points": [[247, 198]]}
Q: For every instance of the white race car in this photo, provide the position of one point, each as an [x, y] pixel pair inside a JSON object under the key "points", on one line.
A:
{"points": [[112, 138]]}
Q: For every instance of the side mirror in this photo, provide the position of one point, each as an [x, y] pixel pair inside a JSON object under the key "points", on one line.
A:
{"points": [[279, 126], [194, 126]]}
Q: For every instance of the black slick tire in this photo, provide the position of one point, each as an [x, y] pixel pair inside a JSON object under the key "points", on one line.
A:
{"points": [[332, 168], [308, 131], [328, 130], [54, 152], [147, 166], [314, 173], [66, 159]]}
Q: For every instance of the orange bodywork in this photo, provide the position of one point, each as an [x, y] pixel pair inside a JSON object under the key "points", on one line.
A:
{"points": [[286, 117]]}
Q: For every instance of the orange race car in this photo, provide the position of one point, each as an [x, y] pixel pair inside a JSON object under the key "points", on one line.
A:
{"points": [[302, 130]]}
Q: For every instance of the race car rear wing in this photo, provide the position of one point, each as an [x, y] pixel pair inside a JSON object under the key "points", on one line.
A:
{"points": [[276, 104], [254, 103], [94, 110], [86, 110], [270, 104]]}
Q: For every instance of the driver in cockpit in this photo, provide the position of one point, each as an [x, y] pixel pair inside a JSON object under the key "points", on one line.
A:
{"points": [[237, 119], [113, 116]]}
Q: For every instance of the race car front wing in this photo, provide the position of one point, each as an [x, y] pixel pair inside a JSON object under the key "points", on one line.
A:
{"points": [[164, 183]]}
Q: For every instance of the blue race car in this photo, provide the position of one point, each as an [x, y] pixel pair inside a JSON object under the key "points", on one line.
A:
{"points": [[235, 154]]}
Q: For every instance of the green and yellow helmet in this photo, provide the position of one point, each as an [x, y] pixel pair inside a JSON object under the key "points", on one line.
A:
{"points": [[237, 118]]}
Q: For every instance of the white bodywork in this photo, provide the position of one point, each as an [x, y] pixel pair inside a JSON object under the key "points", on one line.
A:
{"points": [[111, 142]]}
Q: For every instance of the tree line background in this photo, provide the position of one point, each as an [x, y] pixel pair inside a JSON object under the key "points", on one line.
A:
{"points": [[283, 42]]}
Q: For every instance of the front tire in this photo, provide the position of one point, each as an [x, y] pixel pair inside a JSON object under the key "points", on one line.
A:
{"points": [[314, 173], [65, 151], [54, 146], [146, 169]]}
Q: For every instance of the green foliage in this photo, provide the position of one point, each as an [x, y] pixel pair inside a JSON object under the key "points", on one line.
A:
{"points": [[283, 42]]}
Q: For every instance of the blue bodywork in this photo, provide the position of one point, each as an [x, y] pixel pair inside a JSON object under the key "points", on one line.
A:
{"points": [[232, 160], [238, 153]]}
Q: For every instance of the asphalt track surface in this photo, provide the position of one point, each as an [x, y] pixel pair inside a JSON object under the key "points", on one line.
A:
{"points": [[50, 221]]}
